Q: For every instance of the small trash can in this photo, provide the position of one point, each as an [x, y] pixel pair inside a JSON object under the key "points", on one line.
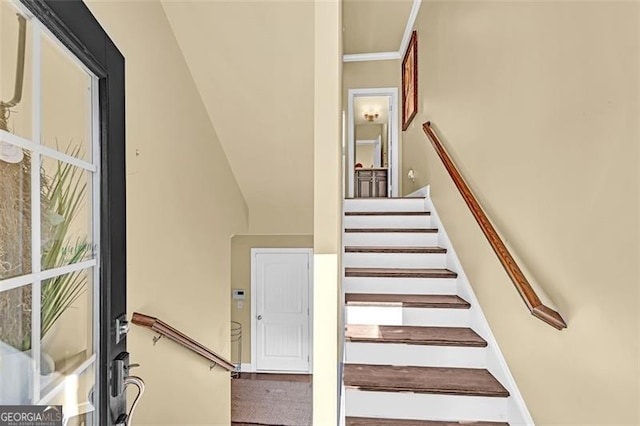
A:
{"points": [[236, 348]]}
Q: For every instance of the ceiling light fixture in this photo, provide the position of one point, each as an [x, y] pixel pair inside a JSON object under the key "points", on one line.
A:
{"points": [[371, 117]]}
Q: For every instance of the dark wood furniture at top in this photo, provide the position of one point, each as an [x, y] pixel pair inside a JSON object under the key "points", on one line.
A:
{"points": [[537, 308], [371, 183]]}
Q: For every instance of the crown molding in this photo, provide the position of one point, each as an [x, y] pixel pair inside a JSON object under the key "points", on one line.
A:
{"points": [[388, 56], [379, 56], [415, 8]]}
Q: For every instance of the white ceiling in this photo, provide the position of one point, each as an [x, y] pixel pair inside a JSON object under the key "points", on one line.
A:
{"points": [[371, 104]]}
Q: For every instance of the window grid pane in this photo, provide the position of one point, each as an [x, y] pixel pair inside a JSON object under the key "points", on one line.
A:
{"points": [[15, 218], [16, 386], [30, 208]]}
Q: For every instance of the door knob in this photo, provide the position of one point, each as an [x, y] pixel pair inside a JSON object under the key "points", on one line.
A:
{"points": [[259, 317]]}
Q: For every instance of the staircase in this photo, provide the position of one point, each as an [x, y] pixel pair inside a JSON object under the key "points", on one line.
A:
{"points": [[418, 350]]}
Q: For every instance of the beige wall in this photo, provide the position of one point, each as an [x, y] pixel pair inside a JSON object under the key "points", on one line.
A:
{"points": [[327, 203], [273, 217], [241, 246], [374, 74], [368, 131], [365, 155], [183, 206], [538, 104]]}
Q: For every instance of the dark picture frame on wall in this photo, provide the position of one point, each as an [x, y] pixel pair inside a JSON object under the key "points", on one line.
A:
{"points": [[410, 82]]}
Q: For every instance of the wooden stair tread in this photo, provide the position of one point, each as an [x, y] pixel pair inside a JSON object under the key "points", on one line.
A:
{"points": [[434, 380], [400, 273], [414, 335], [394, 230], [388, 213], [372, 249], [407, 300], [371, 421]]}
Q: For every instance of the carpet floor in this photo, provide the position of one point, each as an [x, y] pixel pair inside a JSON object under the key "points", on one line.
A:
{"points": [[271, 402]]}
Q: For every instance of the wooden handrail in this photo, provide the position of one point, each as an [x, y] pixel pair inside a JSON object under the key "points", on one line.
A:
{"points": [[167, 331], [528, 294]]}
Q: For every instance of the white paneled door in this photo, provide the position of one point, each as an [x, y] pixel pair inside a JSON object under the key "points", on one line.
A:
{"points": [[281, 308]]}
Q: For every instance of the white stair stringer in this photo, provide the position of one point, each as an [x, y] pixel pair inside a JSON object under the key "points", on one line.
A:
{"points": [[417, 405]]}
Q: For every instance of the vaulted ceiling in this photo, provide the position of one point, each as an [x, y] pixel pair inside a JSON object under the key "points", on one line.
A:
{"points": [[374, 26], [253, 64]]}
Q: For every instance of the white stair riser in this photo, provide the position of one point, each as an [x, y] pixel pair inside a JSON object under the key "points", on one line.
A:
{"points": [[424, 406], [385, 205], [396, 260], [408, 405], [416, 355], [399, 221], [397, 315], [391, 239], [400, 285]]}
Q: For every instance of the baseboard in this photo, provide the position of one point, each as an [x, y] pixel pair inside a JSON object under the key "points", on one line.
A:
{"points": [[249, 368], [422, 192]]}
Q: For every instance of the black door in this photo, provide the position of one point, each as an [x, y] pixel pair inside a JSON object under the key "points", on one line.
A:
{"points": [[74, 26]]}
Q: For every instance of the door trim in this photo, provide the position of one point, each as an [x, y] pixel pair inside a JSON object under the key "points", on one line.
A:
{"points": [[252, 367], [73, 24], [393, 184]]}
